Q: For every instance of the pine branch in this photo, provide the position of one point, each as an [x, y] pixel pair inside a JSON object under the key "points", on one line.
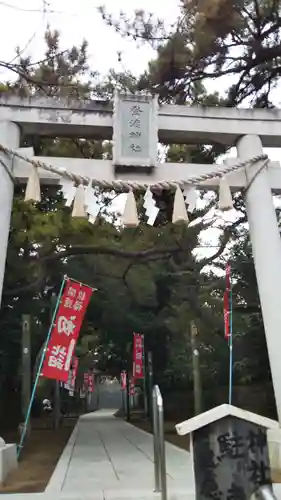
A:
{"points": [[141, 255]]}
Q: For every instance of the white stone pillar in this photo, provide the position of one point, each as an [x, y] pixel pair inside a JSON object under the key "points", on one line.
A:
{"points": [[9, 137], [266, 245]]}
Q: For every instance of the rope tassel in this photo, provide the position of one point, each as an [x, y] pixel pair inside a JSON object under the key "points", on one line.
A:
{"points": [[33, 191], [79, 209], [130, 214], [225, 197], [179, 210]]}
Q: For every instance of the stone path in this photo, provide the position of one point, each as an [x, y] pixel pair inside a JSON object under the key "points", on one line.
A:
{"points": [[107, 457]]}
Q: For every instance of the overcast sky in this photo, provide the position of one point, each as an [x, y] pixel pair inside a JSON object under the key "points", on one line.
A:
{"points": [[78, 20]]}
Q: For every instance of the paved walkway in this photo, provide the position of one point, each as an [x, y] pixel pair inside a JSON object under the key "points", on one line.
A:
{"points": [[109, 458]]}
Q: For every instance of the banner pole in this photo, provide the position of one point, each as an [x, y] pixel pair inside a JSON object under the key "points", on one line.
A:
{"points": [[128, 398], [144, 380], [150, 384], [230, 346], [24, 430]]}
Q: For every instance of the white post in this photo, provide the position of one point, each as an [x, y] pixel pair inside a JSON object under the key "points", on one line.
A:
{"points": [[266, 246], [9, 137]]}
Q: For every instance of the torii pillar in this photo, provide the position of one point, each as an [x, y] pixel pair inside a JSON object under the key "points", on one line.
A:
{"points": [[266, 246], [10, 138]]}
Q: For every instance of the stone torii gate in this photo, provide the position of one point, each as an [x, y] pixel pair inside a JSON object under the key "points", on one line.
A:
{"points": [[136, 124]]}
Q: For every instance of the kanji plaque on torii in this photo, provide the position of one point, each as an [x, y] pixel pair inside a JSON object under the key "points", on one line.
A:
{"points": [[135, 130]]}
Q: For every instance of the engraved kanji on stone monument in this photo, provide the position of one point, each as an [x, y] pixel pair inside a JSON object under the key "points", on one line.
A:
{"points": [[135, 130], [230, 452]]}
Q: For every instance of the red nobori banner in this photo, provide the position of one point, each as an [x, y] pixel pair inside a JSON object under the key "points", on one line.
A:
{"points": [[65, 332], [70, 384], [226, 302], [123, 380], [132, 387], [138, 371], [74, 371], [86, 380], [91, 383], [226, 315]]}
